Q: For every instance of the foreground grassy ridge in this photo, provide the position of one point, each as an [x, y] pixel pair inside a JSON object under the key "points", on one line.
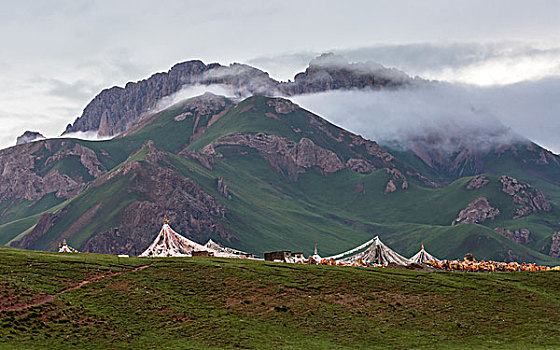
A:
{"points": [[225, 303]]}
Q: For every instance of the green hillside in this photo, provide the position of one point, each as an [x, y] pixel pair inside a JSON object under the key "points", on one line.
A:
{"points": [[267, 209], [210, 303]]}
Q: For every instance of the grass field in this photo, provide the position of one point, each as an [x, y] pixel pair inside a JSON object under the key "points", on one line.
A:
{"points": [[210, 303]]}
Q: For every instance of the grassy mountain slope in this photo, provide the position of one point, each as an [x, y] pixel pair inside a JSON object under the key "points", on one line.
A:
{"points": [[267, 210], [208, 303]]}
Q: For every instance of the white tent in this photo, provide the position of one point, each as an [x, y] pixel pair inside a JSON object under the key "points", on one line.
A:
{"points": [[65, 248], [422, 256], [226, 252], [372, 252], [170, 243]]}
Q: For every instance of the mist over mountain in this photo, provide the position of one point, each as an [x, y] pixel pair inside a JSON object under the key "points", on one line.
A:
{"points": [[448, 116], [115, 110]]}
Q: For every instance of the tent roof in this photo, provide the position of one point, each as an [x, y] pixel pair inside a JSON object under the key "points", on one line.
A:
{"points": [[221, 251], [422, 256], [375, 252], [170, 243]]}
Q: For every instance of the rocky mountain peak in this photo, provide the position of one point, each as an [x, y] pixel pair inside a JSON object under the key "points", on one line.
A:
{"points": [[29, 136], [118, 109]]}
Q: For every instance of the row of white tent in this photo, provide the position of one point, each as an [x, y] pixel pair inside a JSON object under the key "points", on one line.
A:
{"points": [[169, 243], [375, 252]]}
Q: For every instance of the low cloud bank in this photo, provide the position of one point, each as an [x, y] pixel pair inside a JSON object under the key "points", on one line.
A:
{"points": [[446, 116], [83, 135], [196, 90], [482, 64]]}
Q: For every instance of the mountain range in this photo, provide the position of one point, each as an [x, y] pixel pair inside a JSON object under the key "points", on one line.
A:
{"points": [[258, 172]]}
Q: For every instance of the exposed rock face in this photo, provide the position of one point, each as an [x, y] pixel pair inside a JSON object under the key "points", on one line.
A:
{"points": [[521, 235], [555, 246], [360, 166], [372, 148], [88, 158], [477, 211], [207, 104], [19, 179], [529, 199], [117, 109], [396, 178], [29, 136], [285, 156], [205, 160], [195, 213], [43, 226], [423, 179], [331, 72], [282, 106], [477, 182], [223, 188], [544, 157]]}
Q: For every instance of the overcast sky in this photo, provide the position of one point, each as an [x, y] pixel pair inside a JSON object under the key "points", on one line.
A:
{"points": [[56, 56]]}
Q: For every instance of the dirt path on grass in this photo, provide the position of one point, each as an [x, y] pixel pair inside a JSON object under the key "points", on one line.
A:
{"points": [[50, 298]]}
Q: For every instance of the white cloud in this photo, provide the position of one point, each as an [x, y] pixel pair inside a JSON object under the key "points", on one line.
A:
{"points": [[484, 64], [452, 115], [193, 91]]}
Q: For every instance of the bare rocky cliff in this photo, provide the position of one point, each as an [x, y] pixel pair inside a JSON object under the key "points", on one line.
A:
{"points": [[476, 212], [521, 235], [527, 198], [160, 190], [29, 136], [117, 109], [28, 171]]}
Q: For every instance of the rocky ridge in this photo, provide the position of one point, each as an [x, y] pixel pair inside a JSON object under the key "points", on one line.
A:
{"points": [[477, 182], [29, 136], [285, 156], [162, 191], [529, 199], [521, 235], [555, 245], [19, 177], [476, 212], [117, 109]]}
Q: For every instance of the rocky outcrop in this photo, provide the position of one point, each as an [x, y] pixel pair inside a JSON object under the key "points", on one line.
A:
{"points": [[29, 136], [223, 188], [361, 166], [293, 158], [555, 245], [289, 157], [88, 158], [194, 213], [477, 211], [332, 72], [396, 179], [477, 182], [19, 177], [541, 156], [521, 235], [528, 199], [205, 160], [117, 109], [423, 179], [46, 222], [372, 148], [282, 106]]}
